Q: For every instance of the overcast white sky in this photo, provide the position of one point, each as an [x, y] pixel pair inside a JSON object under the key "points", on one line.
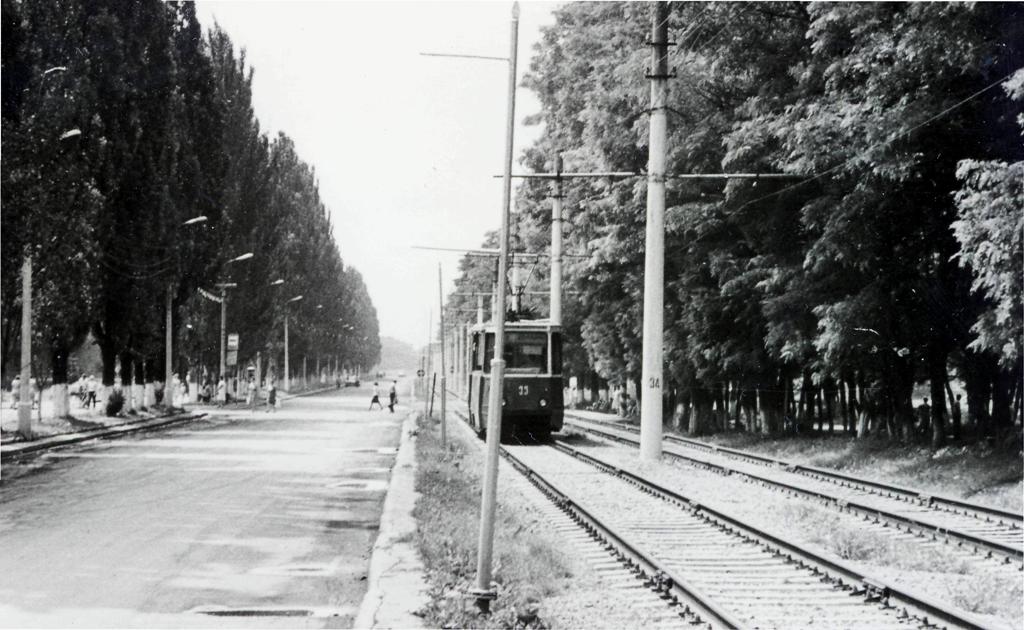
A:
{"points": [[404, 145]]}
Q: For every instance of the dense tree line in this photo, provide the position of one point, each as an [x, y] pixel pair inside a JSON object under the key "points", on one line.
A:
{"points": [[894, 260], [122, 121]]}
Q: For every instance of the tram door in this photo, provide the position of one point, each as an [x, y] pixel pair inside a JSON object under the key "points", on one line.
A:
{"points": [[476, 386]]}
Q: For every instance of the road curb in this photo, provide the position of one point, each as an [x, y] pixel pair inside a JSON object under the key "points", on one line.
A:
{"points": [[397, 585], [64, 439], [54, 441]]}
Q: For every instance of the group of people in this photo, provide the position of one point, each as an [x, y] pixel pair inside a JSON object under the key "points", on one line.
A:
{"points": [[220, 398], [392, 397], [251, 395], [33, 387]]}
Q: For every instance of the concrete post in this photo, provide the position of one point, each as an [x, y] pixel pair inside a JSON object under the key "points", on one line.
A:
{"points": [[287, 373], [444, 364], [484, 590], [25, 393], [516, 292], [168, 363], [223, 332], [654, 254], [556, 246]]}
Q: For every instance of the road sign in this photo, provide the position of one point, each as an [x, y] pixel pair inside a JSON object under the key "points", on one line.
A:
{"points": [[233, 341], [231, 358], [420, 373]]}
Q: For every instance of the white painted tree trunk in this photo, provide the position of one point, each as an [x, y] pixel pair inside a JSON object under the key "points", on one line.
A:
{"points": [[61, 403]]}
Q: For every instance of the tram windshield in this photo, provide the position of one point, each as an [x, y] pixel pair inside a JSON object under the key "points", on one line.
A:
{"points": [[525, 352]]}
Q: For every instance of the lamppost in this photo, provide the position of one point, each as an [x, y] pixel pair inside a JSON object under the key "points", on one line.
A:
{"points": [[224, 286], [169, 349], [287, 373], [25, 394]]}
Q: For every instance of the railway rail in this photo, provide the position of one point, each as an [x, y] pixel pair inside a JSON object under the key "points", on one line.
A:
{"points": [[712, 568], [987, 532], [716, 569]]}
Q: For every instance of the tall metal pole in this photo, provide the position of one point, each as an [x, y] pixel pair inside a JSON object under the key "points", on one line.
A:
{"points": [[25, 392], [515, 285], [484, 589], [287, 372], [444, 371], [223, 332], [654, 254], [427, 361], [556, 246], [168, 364]]}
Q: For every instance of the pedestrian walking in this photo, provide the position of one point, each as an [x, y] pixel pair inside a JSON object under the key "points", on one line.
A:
{"points": [[15, 392], [222, 392], [90, 391], [376, 397], [250, 393], [393, 396], [271, 397]]}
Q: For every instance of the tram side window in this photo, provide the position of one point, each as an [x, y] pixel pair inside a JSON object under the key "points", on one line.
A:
{"points": [[488, 352], [476, 351], [526, 352], [556, 353]]}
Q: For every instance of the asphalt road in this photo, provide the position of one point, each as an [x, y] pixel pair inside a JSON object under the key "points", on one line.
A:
{"points": [[239, 520]]}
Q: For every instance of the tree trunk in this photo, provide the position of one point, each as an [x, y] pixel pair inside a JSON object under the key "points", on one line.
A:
{"points": [[702, 415], [978, 382], [954, 410], [1002, 398], [108, 353], [59, 371], [937, 377], [127, 380]]}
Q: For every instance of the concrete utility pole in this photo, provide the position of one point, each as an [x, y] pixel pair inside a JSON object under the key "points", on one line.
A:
{"points": [[25, 390], [287, 369], [556, 245], [515, 284], [654, 253], [485, 590], [168, 350], [223, 331], [444, 371], [429, 364]]}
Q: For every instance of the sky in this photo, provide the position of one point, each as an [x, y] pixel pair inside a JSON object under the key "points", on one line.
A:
{"points": [[405, 146]]}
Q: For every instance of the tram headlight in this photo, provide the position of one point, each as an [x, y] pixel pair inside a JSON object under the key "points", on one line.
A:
{"points": [[542, 402]]}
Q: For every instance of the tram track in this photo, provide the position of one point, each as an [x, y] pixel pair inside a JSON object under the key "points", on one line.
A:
{"points": [[714, 567], [987, 533], [711, 568]]}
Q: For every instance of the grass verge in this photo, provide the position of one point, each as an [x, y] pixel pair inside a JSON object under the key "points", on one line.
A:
{"points": [[528, 566], [991, 475]]}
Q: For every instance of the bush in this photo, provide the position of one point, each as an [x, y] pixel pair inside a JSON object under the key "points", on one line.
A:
{"points": [[115, 402]]}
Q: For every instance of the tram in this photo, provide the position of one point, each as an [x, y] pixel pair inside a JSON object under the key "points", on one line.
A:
{"points": [[532, 389]]}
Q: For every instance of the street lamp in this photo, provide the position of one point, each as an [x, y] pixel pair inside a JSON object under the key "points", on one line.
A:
{"points": [[287, 374], [224, 286], [169, 343], [484, 590], [26, 394]]}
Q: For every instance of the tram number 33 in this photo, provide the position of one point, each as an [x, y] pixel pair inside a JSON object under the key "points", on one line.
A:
{"points": [[524, 390], [654, 381]]}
